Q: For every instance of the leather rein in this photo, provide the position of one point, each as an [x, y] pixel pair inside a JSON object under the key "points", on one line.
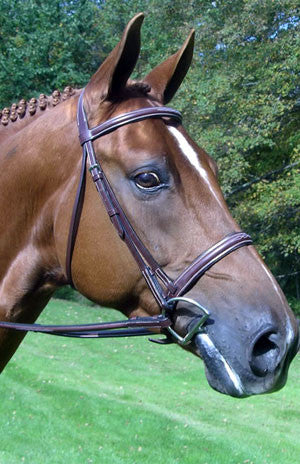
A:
{"points": [[166, 291]]}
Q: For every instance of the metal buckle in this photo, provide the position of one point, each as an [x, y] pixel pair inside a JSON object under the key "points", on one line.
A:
{"points": [[196, 328]]}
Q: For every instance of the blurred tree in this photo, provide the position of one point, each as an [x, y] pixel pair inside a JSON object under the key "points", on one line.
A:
{"points": [[45, 45], [245, 110]]}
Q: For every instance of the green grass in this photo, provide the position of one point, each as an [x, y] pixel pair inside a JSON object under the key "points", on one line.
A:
{"points": [[129, 401]]}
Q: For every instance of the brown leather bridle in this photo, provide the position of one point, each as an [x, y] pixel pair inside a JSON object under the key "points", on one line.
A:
{"points": [[166, 291]]}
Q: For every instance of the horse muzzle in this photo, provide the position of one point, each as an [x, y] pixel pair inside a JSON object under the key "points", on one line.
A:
{"points": [[244, 369], [240, 360]]}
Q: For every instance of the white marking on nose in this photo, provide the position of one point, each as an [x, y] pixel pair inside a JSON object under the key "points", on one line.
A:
{"points": [[213, 352]]}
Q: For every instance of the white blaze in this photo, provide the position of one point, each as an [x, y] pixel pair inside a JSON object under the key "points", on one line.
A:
{"points": [[192, 156], [188, 151]]}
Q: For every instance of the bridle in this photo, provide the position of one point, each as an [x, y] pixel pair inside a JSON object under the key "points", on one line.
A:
{"points": [[166, 291]]}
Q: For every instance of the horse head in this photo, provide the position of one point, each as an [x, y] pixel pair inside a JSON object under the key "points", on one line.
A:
{"points": [[168, 189]]}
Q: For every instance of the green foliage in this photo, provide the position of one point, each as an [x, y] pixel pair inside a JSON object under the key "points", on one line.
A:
{"points": [[295, 305], [45, 45], [250, 78], [241, 99]]}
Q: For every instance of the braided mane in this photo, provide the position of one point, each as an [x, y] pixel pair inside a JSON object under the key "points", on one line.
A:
{"points": [[19, 110]]}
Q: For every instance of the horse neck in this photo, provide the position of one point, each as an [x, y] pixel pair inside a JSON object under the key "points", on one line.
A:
{"points": [[35, 163]]}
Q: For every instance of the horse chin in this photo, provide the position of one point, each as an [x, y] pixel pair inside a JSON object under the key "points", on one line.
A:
{"points": [[220, 376], [223, 378]]}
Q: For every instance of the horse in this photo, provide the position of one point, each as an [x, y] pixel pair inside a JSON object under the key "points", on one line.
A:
{"points": [[166, 216]]}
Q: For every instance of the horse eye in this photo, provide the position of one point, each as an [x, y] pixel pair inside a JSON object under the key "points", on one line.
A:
{"points": [[147, 180]]}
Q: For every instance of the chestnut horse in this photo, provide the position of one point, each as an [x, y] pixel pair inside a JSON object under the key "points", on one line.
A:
{"points": [[168, 189]]}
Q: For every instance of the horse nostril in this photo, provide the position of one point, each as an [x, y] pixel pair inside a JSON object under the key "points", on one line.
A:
{"points": [[265, 354]]}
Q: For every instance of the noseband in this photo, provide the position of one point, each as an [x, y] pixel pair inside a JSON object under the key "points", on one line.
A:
{"points": [[166, 291]]}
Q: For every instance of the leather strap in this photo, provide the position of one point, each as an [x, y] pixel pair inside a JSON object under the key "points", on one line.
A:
{"points": [[130, 327], [207, 259], [86, 134], [75, 218]]}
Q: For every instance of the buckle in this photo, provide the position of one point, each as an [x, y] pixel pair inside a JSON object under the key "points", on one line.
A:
{"points": [[196, 324]]}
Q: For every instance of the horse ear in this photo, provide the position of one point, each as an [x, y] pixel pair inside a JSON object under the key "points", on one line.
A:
{"points": [[166, 78], [114, 72]]}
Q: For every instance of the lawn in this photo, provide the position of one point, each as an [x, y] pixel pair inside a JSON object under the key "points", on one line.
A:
{"points": [[129, 401]]}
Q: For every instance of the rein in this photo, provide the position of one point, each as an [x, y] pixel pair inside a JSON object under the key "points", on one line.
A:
{"points": [[167, 292], [134, 327]]}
